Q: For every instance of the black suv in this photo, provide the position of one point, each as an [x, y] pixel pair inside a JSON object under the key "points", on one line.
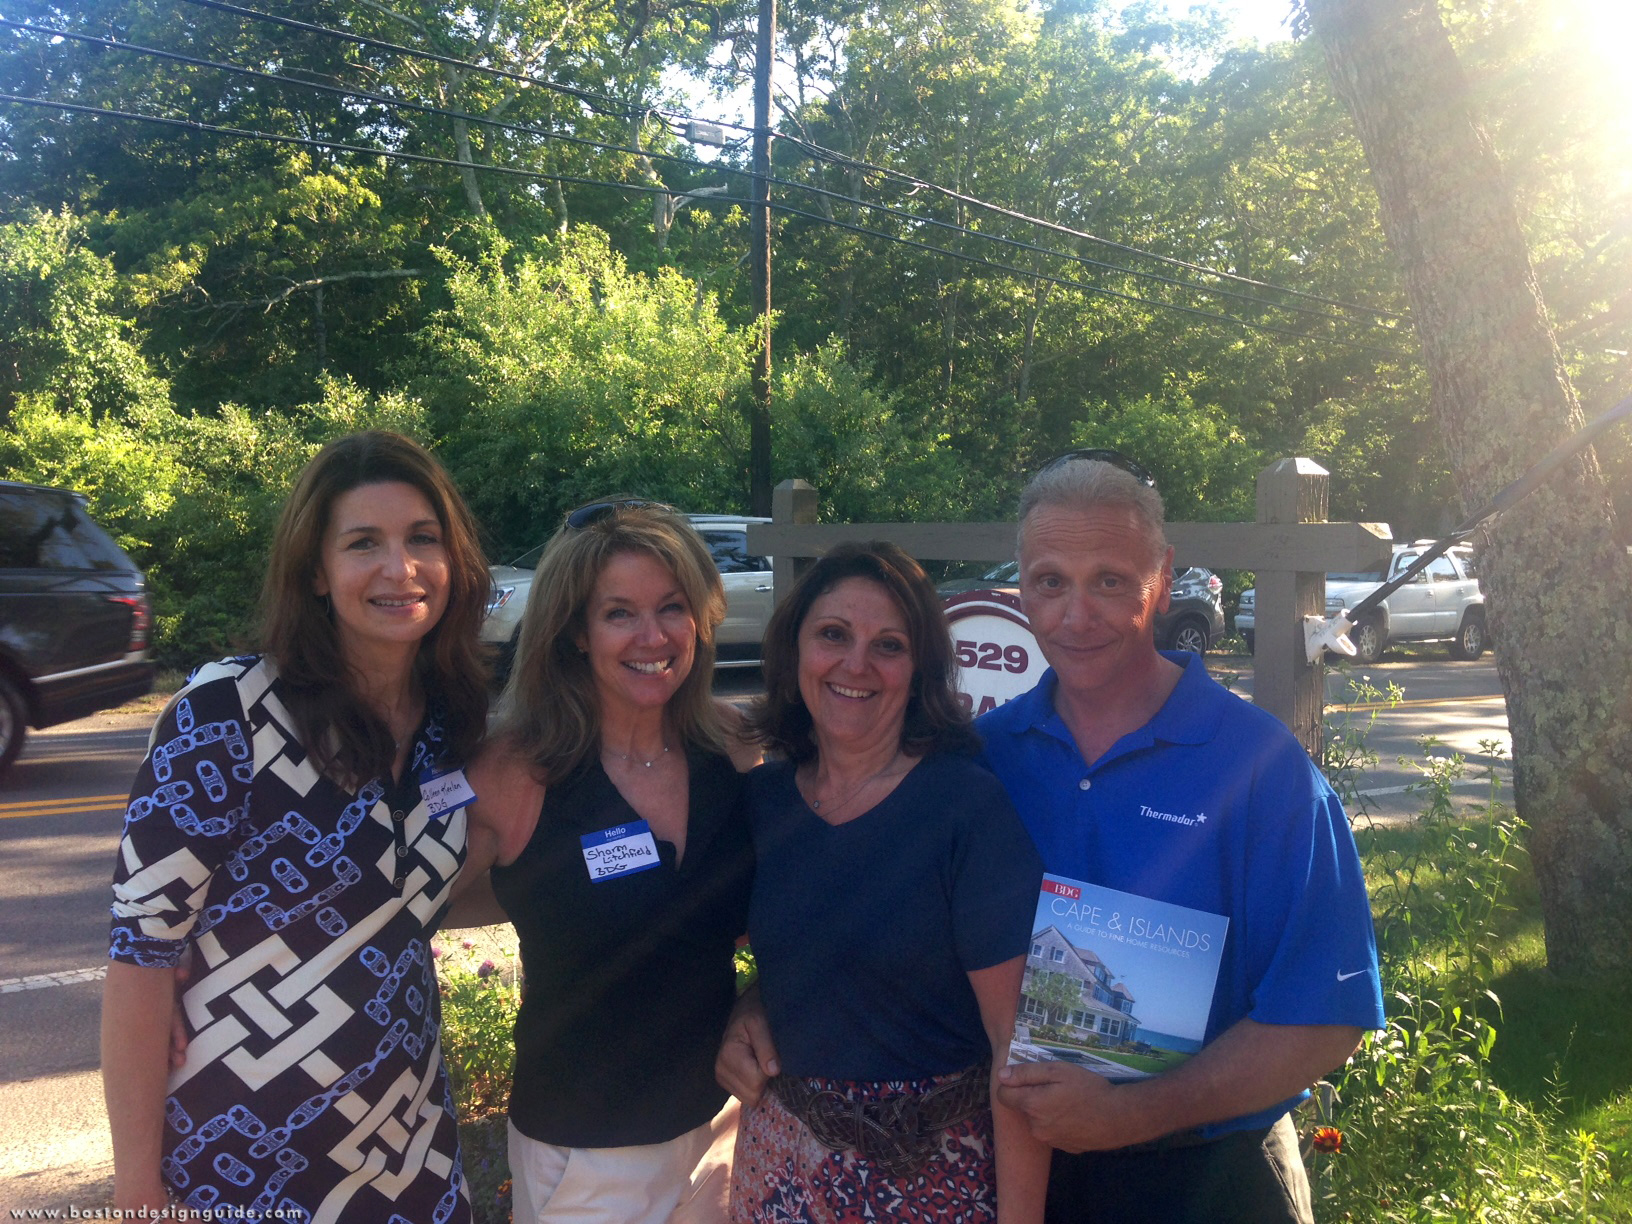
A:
{"points": [[74, 615]]}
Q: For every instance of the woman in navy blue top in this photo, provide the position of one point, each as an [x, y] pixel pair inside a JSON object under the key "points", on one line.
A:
{"points": [[890, 916]]}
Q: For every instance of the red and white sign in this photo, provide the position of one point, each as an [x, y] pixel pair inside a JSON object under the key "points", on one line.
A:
{"points": [[998, 658]]}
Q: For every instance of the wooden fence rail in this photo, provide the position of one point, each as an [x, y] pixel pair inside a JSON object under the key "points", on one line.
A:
{"points": [[1291, 548]]}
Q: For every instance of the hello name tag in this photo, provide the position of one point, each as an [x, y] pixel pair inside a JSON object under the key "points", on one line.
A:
{"points": [[621, 850], [446, 792]]}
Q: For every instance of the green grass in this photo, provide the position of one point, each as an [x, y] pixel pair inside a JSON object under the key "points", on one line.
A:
{"points": [[1499, 1092]]}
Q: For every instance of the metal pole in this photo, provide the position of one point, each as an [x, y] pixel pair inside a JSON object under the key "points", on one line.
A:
{"points": [[759, 432]]}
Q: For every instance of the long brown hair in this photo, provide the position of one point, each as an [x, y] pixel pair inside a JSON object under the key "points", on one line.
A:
{"points": [[935, 721], [549, 712], [345, 737]]}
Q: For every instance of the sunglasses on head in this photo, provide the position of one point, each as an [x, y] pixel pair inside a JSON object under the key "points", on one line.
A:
{"points": [[1099, 454], [596, 511]]}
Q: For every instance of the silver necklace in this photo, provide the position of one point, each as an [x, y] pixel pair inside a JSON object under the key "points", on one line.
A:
{"points": [[629, 758], [816, 805]]}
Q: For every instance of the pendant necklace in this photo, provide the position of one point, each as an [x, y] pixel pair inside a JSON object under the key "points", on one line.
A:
{"points": [[629, 758], [816, 805]]}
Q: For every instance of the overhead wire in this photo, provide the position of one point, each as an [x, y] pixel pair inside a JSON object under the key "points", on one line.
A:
{"points": [[284, 80], [594, 100], [841, 159], [198, 126], [815, 150]]}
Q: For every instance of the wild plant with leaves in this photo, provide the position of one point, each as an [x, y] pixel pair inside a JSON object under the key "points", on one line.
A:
{"points": [[1422, 1133]]}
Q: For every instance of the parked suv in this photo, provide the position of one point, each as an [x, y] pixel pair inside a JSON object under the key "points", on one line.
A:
{"points": [[74, 615], [1443, 603], [1193, 621], [749, 598]]}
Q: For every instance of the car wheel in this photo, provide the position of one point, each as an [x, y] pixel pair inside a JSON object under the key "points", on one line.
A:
{"points": [[1251, 637], [1369, 640], [1190, 634], [1469, 642], [13, 723]]}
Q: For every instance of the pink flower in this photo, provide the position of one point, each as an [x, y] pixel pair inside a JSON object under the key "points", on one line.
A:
{"points": [[436, 952], [468, 944], [486, 969]]}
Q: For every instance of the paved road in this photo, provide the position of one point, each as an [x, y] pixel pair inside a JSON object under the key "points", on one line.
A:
{"points": [[1460, 704], [60, 812]]}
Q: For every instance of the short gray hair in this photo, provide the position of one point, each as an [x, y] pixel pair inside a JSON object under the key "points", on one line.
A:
{"points": [[1089, 484]]}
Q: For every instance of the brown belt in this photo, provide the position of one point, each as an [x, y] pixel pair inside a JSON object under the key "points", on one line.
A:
{"points": [[899, 1134]]}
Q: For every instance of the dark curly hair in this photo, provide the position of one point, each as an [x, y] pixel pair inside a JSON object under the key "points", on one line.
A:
{"points": [[935, 721]]}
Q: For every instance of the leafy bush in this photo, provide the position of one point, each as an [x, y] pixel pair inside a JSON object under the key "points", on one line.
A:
{"points": [[480, 998], [1425, 1134]]}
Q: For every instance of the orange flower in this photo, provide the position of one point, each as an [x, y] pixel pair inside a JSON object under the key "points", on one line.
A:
{"points": [[1328, 1139]]}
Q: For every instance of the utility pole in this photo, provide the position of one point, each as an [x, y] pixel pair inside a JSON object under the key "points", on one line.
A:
{"points": [[759, 422]]}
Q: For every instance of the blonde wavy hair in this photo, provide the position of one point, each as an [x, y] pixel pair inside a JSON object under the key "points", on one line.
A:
{"points": [[550, 712]]}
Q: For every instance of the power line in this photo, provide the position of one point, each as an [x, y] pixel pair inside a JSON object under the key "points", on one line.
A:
{"points": [[840, 159], [593, 100], [815, 150], [197, 126], [1090, 288], [282, 80], [342, 91]]}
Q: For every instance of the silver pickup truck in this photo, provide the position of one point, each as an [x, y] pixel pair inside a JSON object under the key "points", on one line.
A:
{"points": [[1443, 603]]}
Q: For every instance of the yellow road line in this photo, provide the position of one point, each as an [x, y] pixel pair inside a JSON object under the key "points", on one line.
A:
{"points": [[1419, 701], [68, 811], [73, 801]]}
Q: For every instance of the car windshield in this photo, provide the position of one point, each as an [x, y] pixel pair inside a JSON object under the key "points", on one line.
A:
{"points": [[528, 559], [1009, 571]]}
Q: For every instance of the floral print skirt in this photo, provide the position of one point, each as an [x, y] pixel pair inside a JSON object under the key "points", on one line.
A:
{"points": [[783, 1175]]}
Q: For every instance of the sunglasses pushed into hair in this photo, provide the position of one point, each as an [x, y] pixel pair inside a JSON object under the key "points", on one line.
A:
{"points": [[584, 516], [1100, 454]]}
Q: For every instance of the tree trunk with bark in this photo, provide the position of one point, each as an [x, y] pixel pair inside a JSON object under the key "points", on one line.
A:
{"points": [[1555, 581]]}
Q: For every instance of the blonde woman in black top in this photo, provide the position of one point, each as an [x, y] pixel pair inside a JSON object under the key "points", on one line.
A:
{"points": [[608, 811]]}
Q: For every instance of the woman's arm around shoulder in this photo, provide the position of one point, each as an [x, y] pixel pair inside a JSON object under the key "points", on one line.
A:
{"points": [[509, 793], [744, 752]]}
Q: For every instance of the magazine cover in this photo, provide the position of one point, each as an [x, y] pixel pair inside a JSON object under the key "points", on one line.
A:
{"points": [[1117, 983]]}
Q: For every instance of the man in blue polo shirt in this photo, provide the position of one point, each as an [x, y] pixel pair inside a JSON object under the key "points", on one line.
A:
{"points": [[1134, 770]]}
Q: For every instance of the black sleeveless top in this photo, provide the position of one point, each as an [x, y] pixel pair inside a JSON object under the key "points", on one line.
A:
{"points": [[629, 979]]}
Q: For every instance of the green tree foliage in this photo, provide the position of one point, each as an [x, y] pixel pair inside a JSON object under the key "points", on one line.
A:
{"points": [[1057, 992], [560, 375], [142, 267], [64, 345]]}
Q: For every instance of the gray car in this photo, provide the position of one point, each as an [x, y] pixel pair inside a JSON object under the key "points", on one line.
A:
{"points": [[749, 598]]}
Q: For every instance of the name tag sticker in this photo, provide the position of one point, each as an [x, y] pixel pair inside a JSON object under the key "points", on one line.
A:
{"points": [[446, 792], [620, 850]]}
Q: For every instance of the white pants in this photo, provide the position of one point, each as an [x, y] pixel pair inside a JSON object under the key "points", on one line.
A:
{"points": [[622, 1185]]}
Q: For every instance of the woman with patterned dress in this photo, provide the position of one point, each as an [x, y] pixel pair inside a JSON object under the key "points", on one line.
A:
{"points": [[609, 812], [891, 913], [296, 826]]}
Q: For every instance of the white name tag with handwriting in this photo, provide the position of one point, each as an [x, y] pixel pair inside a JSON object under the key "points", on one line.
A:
{"points": [[620, 850], [446, 792]]}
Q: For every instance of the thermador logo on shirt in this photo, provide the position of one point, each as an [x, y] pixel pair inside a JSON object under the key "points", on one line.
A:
{"points": [[1178, 818]]}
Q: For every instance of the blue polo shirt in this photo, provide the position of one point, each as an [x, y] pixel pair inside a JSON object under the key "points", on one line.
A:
{"points": [[1212, 804]]}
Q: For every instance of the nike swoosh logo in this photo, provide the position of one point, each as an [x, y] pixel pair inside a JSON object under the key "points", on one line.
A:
{"points": [[1343, 977]]}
